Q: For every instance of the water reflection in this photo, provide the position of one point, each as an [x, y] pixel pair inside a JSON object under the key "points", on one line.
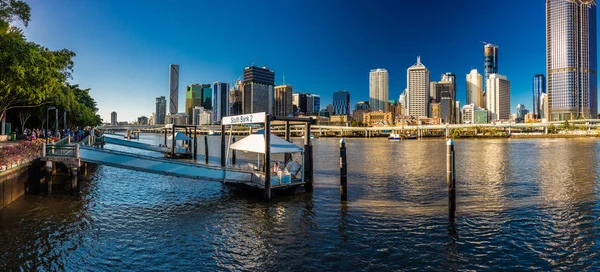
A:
{"points": [[522, 204]]}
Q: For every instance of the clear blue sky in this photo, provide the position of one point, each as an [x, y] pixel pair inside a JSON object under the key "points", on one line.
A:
{"points": [[124, 48]]}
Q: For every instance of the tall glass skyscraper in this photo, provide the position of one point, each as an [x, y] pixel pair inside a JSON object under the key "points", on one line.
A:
{"points": [[259, 83], [571, 59], [341, 103], [490, 64], [539, 87], [161, 110], [220, 101]]}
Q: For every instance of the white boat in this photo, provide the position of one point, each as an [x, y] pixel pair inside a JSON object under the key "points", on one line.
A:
{"points": [[394, 137]]}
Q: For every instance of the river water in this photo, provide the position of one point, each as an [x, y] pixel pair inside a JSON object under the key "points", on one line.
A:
{"points": [[521, 204]]}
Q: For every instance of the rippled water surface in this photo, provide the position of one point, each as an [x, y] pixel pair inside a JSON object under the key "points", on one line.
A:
{"points": [[522, 204]]}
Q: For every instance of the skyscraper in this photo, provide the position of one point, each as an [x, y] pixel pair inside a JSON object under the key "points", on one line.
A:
{"points": [[417, 95], [474, 93], [316, 103], [161, 110], [571, 59], [283, 100], [521, 112], [490, 65], [258, 89], [539, 87], [220, 98], [341, 103], [498, 97], [113, 118], [173, 88], [197, 95], [235, 96], [378, 89], [446, 91]]}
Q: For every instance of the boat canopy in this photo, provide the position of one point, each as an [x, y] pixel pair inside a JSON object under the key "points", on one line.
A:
{"points": [[256, 143], [180, 136]]}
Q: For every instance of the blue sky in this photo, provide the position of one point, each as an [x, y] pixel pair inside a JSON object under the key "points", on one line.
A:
{"points": [[124, 48]]}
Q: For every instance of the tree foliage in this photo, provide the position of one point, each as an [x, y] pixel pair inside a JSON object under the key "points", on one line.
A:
{"points": [[33, 75]]}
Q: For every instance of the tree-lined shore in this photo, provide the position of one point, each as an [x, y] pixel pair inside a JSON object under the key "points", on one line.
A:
{"points": [[33, 77]]}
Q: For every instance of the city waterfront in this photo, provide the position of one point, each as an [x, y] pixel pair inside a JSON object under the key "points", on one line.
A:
{"points": [[521, 204]]}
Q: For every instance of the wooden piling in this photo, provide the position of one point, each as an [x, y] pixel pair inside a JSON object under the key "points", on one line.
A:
{"points": [[206, 148], [233, 152], [343, 171], [195, 145], [450, 178], [267, 162], [223, 146], [73, 186], [287, 156], [307, 159]]}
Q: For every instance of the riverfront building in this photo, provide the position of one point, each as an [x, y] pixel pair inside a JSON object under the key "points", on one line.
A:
{"points": [[378, 89], [544, 109], [283, 100], [173, 88], [258, 90], [417, 94], [341, 103], [539, 87], [113, 118], [498, 97], [235, 98], [474, 93], [446, 110], [490, 65], [197, 95], [220, 103], [521, 112], [161, 110], [571, 59], [471, 114], [378, 118]]}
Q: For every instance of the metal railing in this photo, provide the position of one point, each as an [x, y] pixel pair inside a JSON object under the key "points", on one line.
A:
{"points": [[61, 150]]}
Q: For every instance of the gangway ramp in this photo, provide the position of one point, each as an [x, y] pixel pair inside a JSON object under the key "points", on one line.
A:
{"points": [[122, 142], [160, 165]]}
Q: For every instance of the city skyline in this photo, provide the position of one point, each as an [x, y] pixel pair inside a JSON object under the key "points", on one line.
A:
{"points": [[102, 64]]}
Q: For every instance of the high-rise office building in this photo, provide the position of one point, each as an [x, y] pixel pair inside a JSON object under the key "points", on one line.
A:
{"points": [[571, 59], [417, 95], [474, 93], [113, 118], [173, 88], [433, 95], [283, 100], [161, 110], [341, 103], [498, 97], [220, 101], [539, 87], [362, 105], [235, 97], [197, 95], [316, 103], [378, 89], [296, 102], [544, 109], [258, 89], [449, 77], [490, 65], [446, 91], [521, 112]]}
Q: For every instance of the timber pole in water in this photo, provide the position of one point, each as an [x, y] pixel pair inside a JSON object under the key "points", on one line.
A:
{"points": [[308, 159], [267, 163], [233, 152], [451, 179], [206, 148], [222, 146], [343, 171]]}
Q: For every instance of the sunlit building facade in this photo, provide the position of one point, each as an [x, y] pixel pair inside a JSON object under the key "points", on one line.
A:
{"points": [[571, 59], [378, 89], [417, 95]]}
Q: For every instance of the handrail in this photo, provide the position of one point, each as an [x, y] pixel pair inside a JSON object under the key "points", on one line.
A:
{"points": [[63, 150]]}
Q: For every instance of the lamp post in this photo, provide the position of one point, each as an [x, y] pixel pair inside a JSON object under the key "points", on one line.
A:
{"points": [[48, 120]]}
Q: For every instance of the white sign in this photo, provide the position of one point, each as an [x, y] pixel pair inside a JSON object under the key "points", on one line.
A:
{"points": [[244, 119]]}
